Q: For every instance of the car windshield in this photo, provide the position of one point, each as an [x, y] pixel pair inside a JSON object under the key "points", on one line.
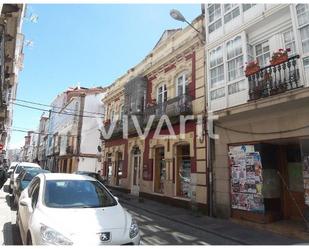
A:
{"points": [[77, 194], [20, 168], [32, 173]]}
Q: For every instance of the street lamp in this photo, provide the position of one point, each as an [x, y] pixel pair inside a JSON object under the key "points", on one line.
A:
{"points": [[176, 14]]}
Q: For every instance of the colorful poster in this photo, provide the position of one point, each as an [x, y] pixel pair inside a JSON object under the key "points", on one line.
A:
{"points": [[246, 178]]}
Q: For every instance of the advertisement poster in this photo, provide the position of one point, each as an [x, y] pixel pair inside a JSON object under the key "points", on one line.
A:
{"points": [[246, 178]]}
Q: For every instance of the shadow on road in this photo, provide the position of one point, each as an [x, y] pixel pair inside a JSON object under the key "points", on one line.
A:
{"points": [[11, 235]]}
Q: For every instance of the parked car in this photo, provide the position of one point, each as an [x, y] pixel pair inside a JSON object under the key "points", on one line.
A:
{"points": [[92, 174], [23, 180], [71, 209], [16, 172]]}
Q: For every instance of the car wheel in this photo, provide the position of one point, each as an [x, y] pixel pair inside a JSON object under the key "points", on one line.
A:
{"points": [[29, 240]]}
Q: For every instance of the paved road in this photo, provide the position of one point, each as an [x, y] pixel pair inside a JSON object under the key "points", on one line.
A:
{"points": [[9, 234], [156, 230]]}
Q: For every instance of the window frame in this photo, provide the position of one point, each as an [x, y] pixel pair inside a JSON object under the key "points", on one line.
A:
{"points": [[234, 58], [184, 75], [163, 93], [217, 65], [230, 12], [263, 53], [214, 23]]}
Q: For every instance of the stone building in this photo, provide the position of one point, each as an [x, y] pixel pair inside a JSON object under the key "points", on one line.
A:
{"points": [[169, 82]]}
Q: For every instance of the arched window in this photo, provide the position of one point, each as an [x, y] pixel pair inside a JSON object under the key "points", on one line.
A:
{"points": [[182, 84]]}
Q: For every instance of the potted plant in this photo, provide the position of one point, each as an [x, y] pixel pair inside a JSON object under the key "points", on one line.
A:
{"points": [[252, 68], [280, 56]]}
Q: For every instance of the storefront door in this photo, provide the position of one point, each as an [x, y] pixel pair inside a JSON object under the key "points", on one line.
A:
{"points": [[291, 175], [160, 170], [183, 173]]}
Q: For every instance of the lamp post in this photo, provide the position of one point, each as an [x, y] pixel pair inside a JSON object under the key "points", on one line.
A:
{"points": [[176, 14]]}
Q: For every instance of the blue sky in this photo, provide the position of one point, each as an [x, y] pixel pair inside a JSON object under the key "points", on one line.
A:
{"points": [[89, 44]]}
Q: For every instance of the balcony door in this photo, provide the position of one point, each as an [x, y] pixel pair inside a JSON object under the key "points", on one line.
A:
{"points": [[136, 165], [182, 84], [161, 98]]}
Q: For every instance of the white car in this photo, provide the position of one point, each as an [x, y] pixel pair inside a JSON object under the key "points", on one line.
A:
{"points": [[70, 209], [17, 170]]}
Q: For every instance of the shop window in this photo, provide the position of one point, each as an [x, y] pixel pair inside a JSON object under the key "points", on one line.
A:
{"points": [[183, 171]]}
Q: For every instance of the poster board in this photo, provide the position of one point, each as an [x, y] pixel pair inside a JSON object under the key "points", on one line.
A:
{"points": [[246, 178]]}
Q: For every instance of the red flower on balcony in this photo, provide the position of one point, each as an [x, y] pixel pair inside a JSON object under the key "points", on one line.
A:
{"points": [[252, 68], [280, 56]]}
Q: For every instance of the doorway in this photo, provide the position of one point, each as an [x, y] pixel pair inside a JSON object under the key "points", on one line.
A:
{"points": [[118, 165], [136, 163], [183, 171], [160, 170]]}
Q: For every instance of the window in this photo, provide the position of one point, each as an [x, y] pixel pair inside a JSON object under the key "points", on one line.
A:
{"points": [[161, 94], [215, 26], [250, 56], [216, 94], [214, 12], [245, 7], [289, 41], [235, 64], [216, 67], [306, 63], [230, 12], [237, 87], [214, 17], [304, 34], [35, 195], [262, 53], [228, 7], [302, 11], [182, 84]]}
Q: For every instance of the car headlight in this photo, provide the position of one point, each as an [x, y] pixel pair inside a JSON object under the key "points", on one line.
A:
{"points": [[133, 229], [53, 237]]}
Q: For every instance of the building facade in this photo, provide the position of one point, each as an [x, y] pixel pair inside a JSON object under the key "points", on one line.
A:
{"points": [[74, 136], [257, 67], [168, 83], [11, 61]]}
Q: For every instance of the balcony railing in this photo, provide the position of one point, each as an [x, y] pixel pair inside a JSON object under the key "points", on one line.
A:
{"points": [[274, 79], [181, 105]]}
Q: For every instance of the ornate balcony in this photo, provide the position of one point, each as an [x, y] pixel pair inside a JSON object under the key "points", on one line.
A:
{"points": [[181, 105], [274, 79]]}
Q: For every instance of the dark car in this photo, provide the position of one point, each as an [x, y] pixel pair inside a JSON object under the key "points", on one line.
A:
{"points": [[24, 178], [93, 175]]}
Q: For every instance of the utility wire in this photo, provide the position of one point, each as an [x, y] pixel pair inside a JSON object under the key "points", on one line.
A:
{"points": [[52, 106], [42, 133], [61, 113]]}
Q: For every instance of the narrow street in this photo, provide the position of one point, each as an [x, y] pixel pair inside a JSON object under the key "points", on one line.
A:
{"points": [[157, 229]]}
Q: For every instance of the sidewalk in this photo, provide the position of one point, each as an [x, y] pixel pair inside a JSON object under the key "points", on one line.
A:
{"points": [[241, 234], [8, 229]]}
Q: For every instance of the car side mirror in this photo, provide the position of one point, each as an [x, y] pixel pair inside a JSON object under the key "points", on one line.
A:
{"points": [[26, 202]]}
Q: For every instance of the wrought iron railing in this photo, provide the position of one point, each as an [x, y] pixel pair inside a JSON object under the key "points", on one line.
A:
{"points": [[274, 79], [181, 105]]}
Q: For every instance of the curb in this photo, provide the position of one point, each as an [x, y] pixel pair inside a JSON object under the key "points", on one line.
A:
{"points": [[187, 224]]}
